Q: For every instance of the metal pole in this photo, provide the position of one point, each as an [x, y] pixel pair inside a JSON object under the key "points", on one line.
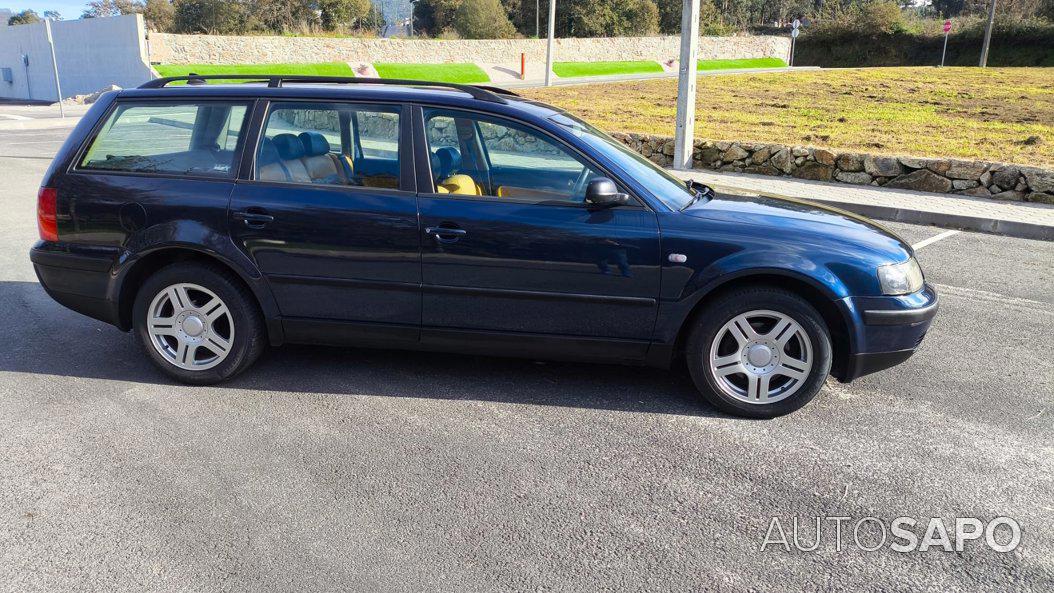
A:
{"points": [[685, 133], [537, 18], [793, 40], [549, 44], [412, 3], [988, 35], [944, 51], [54, 65]]}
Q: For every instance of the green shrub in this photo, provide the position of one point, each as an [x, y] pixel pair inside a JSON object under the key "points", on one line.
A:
{"points": [[1014, 43], [482, 19]]}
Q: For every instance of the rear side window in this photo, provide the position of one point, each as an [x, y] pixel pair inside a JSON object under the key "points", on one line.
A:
{"points": [[193, 139], [330, 144]]}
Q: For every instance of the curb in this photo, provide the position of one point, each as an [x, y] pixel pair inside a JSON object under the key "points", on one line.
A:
{"points": [[1008, 228], [580, 80]]}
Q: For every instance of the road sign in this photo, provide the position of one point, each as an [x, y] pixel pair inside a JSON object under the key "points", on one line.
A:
{"points": [[944, 52], [795, 33], [796, 24]]}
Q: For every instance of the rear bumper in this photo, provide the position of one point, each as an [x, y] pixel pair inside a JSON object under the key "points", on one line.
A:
{"points": [[77, 279], [889, 331]]}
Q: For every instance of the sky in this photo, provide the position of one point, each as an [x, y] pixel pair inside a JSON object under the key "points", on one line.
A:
{"points": [[69, 9]]}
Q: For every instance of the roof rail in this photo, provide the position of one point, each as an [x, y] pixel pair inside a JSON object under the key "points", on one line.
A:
{"points": [[481, 93]]}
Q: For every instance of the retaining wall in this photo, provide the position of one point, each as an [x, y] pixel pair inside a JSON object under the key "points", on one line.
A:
{"points": [[1001, 181], [172, 48], [90, 53]]}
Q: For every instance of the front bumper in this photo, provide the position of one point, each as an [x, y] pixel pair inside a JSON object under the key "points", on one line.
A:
{"points": [[888, 330]]}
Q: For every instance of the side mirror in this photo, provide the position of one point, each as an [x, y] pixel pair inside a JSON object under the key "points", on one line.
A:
{"points": [[603, 193]]}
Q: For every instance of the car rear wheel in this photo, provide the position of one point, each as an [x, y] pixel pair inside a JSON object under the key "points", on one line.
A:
{"points": [[198, 323], [759, 352]]}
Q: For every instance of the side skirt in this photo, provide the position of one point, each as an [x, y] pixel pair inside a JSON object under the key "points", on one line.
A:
{"points": [[516, 345]]}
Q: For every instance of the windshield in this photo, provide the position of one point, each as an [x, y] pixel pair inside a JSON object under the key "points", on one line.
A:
{"points": [[670, 190]]}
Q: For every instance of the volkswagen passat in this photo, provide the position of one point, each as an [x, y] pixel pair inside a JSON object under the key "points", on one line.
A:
{"points": [[214, 219]]}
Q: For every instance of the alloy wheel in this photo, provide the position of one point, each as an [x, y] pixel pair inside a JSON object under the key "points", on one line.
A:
{"points": [[761, 357], [190, 326]]}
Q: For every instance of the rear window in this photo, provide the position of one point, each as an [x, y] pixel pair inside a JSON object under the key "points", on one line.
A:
{"points": [[194, 139]]}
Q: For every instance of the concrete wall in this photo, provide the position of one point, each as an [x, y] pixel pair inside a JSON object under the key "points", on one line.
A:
{"points": [[91, 54], [228, 49]]}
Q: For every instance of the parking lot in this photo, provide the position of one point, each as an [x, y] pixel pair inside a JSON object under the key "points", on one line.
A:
{"points": [[343, 469]]}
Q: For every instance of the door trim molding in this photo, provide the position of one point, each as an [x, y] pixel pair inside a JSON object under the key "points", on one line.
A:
{"points": [[539, 295], [347, 282]]}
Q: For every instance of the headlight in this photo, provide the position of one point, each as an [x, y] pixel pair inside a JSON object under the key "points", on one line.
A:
{"points": [[904, 278]]}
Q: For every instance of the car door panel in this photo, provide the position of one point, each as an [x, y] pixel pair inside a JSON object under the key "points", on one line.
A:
{"points": [[540, 269], [335, 253]]}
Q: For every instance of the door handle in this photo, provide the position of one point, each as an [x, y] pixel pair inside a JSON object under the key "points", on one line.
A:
{"points": [[257, 219], [445, 234]]}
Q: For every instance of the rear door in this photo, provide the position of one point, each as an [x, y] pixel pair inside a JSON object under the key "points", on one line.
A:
{"points": [[329, 214], [509, 246]]}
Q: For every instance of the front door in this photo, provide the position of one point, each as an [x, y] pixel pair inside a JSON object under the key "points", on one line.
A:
{"points": [[330, 218], [509, 247]]}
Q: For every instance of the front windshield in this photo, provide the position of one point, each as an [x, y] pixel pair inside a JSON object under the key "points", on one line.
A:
{"points": [[670, 190]]}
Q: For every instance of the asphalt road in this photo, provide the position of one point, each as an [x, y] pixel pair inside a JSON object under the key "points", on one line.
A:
{"points": [[359, 470]]}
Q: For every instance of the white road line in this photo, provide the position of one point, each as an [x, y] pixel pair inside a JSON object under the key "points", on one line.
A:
{"points": [[994, 297], [14, 117], [933, 240]]}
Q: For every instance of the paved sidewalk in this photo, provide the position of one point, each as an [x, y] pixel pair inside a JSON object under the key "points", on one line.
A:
{"points": [[1016, 219]]}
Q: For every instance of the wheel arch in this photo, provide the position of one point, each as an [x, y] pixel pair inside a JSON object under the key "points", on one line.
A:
{"points": [[132, 275], [825, 303]]}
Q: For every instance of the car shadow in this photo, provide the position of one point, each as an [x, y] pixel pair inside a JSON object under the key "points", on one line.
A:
{"points": [[56, 341]]}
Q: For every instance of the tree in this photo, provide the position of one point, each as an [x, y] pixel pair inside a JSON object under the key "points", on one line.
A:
{"points": [[283, 16], [482, 19], [209, 16], [25, 17], [335, 13], [374, 20], [159, 14], [434, 16], [102, 8], [613, 18]]}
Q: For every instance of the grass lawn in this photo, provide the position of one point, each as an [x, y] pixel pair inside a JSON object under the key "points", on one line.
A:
{"points": [[1000, 114], [463, 73], [576, 69], [326, 69], [744, 63]]}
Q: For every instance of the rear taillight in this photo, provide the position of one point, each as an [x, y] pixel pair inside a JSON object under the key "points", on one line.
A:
{"points": [[47, 222]]}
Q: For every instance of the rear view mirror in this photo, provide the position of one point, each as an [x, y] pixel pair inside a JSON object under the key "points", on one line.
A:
{"points": [[603, 193]]}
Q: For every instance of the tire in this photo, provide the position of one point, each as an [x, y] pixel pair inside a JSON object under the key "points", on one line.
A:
{"points": [[219, 340], [785, 347]]}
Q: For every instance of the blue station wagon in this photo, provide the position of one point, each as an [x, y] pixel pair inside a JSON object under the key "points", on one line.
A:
{"points": [[212, 220]]}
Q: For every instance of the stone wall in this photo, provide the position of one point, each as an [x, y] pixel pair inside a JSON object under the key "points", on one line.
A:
{"points": [[169, 48], [984, 179]]}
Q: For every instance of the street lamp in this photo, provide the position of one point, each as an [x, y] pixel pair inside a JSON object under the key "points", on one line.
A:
{"points": [[412, 2]]}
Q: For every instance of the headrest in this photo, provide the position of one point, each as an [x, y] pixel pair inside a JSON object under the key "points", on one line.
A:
{"points": [[449, 160], [315, 144], [268, 153], [289, 146]]}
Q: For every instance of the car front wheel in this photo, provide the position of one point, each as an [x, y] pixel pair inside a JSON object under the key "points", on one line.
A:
{"points": [[759, 352]]}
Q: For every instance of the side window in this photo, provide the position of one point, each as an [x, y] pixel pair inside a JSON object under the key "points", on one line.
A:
{"points": [[476, 155], [187, 138], [330, 144]]}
